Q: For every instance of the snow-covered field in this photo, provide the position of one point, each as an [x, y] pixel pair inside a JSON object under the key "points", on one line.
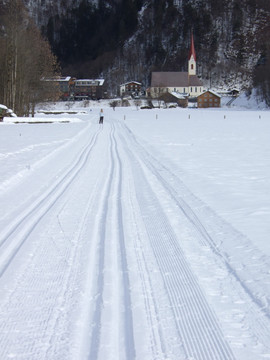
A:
{"points": [[145, 238]]}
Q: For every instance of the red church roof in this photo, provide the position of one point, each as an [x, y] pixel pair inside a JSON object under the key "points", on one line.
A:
{"points": [[192, 49]]}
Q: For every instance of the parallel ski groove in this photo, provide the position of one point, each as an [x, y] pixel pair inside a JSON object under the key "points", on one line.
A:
{"points": [[72, 297], [196, 332], [70, 278], [18, 232], [114, 177], [199, 340], [33, 274], [129, 336], [158, 347], [103, 209], [152, 164]]}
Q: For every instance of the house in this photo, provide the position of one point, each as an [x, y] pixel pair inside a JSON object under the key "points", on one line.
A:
{"points": [[66, 86], [171, 99], [229, 92], [129, 88], [186, 83], [208, 99], [89, 89], [62, 84], [234, 92]]}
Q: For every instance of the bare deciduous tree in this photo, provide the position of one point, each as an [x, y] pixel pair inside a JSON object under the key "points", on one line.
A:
{"points": [[25, 59]]}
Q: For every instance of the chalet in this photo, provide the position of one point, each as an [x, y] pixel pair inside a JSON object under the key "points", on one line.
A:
{"points": [[186, 83], [208, 99], [129, 88]]}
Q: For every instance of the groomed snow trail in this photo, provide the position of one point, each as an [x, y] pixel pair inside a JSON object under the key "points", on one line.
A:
{"points": [[102, 262]]}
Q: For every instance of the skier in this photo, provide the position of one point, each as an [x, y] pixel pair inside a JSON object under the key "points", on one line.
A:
{"points": [[101, 116]]}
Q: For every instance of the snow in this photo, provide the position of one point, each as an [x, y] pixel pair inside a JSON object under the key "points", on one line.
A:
{"points": [[212, 92], [31, 120], [143, 238], [249, 102]]}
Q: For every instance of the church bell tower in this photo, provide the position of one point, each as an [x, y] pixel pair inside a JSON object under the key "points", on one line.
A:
{"points": [[192, 58]]}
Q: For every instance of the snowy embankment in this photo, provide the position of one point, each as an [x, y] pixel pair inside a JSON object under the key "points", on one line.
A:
{"points": [[144, 238], [38, 120]]}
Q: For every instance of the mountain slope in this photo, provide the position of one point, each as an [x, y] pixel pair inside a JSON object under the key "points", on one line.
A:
{"points": [[127, 39]]}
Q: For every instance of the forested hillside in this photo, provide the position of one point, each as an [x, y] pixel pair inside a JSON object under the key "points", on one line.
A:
{"points": [[127, 39]]}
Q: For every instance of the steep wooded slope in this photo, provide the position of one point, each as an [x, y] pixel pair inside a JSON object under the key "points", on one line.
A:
{"points": [[125, 40]]}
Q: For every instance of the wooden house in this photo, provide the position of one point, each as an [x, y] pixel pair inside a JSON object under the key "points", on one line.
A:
{"points": [[208, 99], [130, 88]]}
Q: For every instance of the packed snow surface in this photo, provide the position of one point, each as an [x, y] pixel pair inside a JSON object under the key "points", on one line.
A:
{"points": [[143, 238]]}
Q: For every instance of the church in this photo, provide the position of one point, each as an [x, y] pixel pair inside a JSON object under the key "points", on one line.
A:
{"points": [[185, 83]]}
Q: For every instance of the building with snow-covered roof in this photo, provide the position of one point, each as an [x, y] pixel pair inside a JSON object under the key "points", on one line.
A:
{"points": [[130, 88], [64, 84], [208, 99], [89, 89], [171, 98], [186, 83]]}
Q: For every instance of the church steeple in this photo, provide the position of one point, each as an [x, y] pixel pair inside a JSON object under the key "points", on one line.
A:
{"points": [[192, 58]]}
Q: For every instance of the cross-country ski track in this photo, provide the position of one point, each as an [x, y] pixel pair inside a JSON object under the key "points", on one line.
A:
{"points": [[108, 256]]}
